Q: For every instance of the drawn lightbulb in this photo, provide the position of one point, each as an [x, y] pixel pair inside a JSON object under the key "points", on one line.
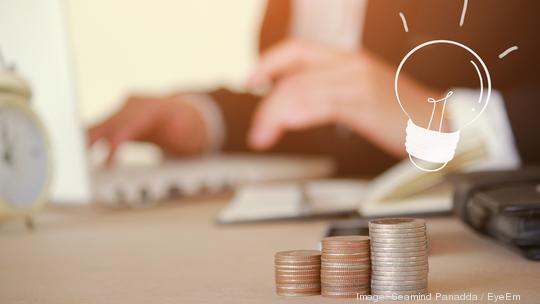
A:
{"points": [[431, 143]]}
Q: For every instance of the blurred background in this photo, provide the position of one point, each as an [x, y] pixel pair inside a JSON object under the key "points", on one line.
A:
{"points": [[82, 58], [119, 51]]}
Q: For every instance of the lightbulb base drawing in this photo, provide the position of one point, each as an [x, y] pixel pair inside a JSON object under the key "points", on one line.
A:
{"points": [[430, 146]]}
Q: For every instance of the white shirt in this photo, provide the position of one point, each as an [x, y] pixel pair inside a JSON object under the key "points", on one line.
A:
{"points": [[338, 23]]}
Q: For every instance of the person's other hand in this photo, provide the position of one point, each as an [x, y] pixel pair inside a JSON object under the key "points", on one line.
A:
{"points": [[288, 57], [171, 123], [316, 86]]}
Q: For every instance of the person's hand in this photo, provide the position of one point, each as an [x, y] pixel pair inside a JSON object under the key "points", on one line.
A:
{"points": [[171, 123], [316, 86]]}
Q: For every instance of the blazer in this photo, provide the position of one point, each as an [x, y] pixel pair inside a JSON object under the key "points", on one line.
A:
{"points": [[490, 27]]}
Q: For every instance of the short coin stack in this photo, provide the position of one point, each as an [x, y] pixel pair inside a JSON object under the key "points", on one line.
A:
{"points": [[345, 267], [399, 257], [298, 272]]}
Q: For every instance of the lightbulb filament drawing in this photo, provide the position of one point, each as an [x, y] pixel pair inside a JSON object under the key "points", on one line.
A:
{"points": [[435, 102]]}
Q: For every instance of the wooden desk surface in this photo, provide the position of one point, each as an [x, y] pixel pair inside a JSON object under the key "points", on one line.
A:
{"points": [[176, 254]]}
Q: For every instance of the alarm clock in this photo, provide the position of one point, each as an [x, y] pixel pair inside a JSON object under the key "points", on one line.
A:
{"points": [[25, 154]]}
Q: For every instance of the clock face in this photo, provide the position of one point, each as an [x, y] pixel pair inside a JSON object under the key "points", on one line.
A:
{"points": [[24, 159]]}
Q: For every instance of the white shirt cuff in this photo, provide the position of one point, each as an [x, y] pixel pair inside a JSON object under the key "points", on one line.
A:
{"points": [[212, 117]]}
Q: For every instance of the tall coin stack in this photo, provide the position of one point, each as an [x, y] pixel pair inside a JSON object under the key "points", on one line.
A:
{"points": [[298, 272], [399, 257], [345, 266]]}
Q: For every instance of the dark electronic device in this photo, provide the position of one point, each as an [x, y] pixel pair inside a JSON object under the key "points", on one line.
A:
{"points": [[504, 205]]}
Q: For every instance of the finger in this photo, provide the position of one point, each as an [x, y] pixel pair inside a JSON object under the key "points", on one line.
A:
{"points": [[95, 133], [317, 113], [266, 127], [285, 57], [115, 141], [116, 132], [105, 127], [111, 155]]}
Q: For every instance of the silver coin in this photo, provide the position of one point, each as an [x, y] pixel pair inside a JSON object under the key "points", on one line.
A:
{"points": [[345, 280], [298, 286], [399, 240], [345, 266], [387, 233], [346, 259], [399, 249], [403, 247], [410, 254], [400, 263], [345, 271], [397, 230], [346, 275], [380, 235], [299, 294], [400, 258], [397, 222], [399, 272], [398, 275], [347, 262], [398, 278], [356, 254], [397, 285], [388, 282], [345, 288], [346, 285], [405, 264], [297, 266], [346, 251], [399, 268], [346, 294], [376, 267], [410, 275], [399, 288], [398, 292]]}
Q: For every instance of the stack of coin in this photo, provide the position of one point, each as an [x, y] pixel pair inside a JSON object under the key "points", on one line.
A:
{"points": [[298, 272], [345, 267], [399, 257]]}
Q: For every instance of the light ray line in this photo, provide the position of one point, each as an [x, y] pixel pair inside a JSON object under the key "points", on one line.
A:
{"points": [[481, 82], [508, 51], [463, 12], [405, 26]]}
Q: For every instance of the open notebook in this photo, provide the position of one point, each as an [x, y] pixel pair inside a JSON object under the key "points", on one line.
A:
{"points": [[401, 190]]}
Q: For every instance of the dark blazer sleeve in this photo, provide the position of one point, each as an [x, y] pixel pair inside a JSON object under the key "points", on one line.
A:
{"points": [[523, 110], [238, 108]]}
